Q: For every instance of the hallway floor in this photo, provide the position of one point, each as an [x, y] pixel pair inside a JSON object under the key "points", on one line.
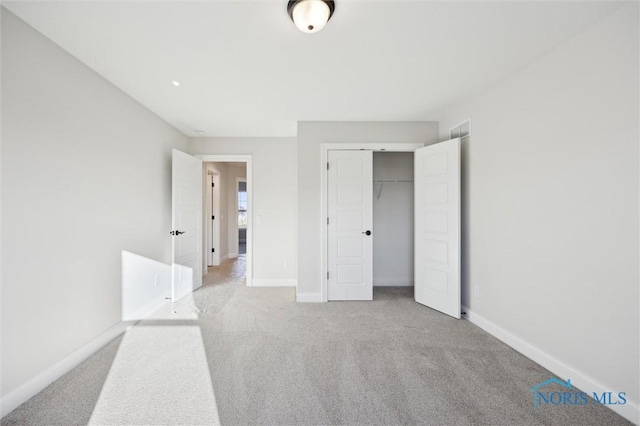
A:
{"points": [[231, 272]]}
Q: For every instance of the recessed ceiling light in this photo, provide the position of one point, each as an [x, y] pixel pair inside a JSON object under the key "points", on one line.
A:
{"points": [[175, 83], [199, 132]]}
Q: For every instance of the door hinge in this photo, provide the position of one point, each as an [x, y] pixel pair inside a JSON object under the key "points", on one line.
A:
{"points": [[327, 221], [213, 218], [327, 274], [327, 165], [213, 184], [213, 250]]}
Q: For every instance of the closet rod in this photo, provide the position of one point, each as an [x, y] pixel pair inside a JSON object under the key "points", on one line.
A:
{"points": [[391, 180]]}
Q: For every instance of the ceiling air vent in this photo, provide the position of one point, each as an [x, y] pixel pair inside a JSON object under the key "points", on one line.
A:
{"points": [[461, 131]]}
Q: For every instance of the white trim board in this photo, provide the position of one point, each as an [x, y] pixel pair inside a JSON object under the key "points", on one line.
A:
{"points": [[248, 159], [147, 309], [324, 156], [275, 282], [630, 410], [29, 389], [309, 298]]}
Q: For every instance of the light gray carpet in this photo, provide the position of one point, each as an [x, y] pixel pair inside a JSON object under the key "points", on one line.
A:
{"points": [[272, 361]]}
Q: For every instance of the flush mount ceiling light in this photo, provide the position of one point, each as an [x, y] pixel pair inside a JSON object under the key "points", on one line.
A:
{"points": [[310, 16]]}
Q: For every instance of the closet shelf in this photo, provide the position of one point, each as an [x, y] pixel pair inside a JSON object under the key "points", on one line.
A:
{"points": [[383, 181]]}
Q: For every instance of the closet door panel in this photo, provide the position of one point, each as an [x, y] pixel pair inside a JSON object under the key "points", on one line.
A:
{"points": [[437, 227], [350, 248]]}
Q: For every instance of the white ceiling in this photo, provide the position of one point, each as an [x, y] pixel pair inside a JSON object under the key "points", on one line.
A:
{"points": [[245, 70]]}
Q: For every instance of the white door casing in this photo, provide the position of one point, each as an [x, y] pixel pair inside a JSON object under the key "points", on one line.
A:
{"points": [[437, 227], [350, 216], [212, 219], [208, 229], [186, 224], [215, 212]]}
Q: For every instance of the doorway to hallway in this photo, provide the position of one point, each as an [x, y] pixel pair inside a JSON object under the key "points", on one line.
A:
{"points": [[228, 224]]}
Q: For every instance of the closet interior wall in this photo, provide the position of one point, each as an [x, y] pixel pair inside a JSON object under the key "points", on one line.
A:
{"points": [[392, 219]]}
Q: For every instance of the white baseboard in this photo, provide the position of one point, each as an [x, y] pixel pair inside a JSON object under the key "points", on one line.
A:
{"points": [[232, 255], [23, 393], [393, 281], [309, 298], [146, 310], [221, 260], [273, 283], [630, 410]]}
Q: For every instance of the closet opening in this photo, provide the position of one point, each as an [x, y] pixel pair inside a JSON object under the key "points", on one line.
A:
{"points": [[393, 227], [349, 188]]}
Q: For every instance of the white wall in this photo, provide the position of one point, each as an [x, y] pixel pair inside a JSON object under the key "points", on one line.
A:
{"points": [[311, 136], [274, 202], [393, 219], [86, 175], [550, 201]]}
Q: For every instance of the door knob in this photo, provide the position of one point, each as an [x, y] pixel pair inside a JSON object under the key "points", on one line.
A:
{"points": [[367, 232]]}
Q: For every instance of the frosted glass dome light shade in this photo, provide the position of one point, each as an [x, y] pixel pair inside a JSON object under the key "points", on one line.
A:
{"points": [[310, 16]]}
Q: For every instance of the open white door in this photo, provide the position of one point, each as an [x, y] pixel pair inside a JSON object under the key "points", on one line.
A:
{"points": [[350, 208], [186, 222], [437, 227]]}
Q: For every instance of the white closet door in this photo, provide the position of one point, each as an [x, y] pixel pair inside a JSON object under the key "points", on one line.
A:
{"points": [[437, 227], [350, 207], [186, 211]]}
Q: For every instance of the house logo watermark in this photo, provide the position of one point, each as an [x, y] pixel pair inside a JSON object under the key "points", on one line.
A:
{"points": [[568, 395]]}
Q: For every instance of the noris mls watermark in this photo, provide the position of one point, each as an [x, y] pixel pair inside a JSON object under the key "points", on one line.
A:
{"points": [[568, 395]]}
